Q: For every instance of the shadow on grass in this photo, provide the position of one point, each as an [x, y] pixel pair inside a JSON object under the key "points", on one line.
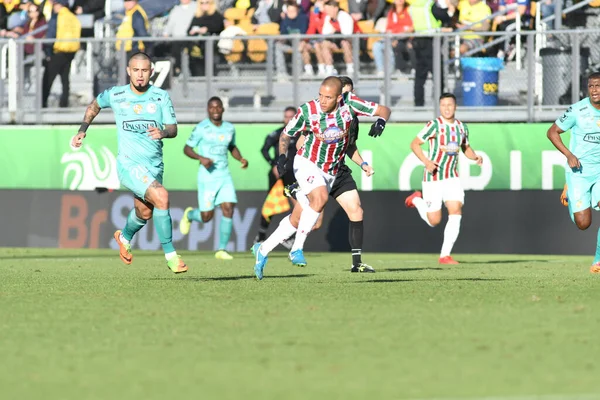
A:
{"points": [[436, 279], [412, 269], [57, 257], [230, 278], [501, 261]]}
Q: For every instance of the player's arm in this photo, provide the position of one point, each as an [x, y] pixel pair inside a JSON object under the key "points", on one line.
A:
{"points": [[429, 131], [468, 150], [235, 153], [300, 142], [193, 142], [370, 109], [169, 122], [560, 126], [355, 156], [293, 129], [269, 144], [90, 113]]}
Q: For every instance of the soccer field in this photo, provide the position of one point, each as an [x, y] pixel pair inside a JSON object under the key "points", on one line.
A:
{"points": [[78, 324]]}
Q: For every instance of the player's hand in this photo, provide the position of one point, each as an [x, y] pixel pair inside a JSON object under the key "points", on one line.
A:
{"points": [[478, 160], [573, 162], [156, 134], [244, 163], [206, 162], [368, 170], [77, 140], [281, 164], [275, 172], [377, 128], [431, 167]]}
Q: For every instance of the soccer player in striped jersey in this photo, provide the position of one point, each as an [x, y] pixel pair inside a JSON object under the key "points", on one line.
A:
{"points": [[446, 136], [327, 120]]}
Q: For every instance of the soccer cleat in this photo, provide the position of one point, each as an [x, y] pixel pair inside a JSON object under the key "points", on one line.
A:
{"points": [[177, 265], [297, 258], [290, 190], [595, 269], [448, 260], [563, 197], [362, 267], [409, 200], [185, 223], [260, 262], [260, 237], [223, 255], [124, 249]]}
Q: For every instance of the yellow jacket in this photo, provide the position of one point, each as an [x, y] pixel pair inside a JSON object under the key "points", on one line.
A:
{"points": [[126, 29], [67, 27]]}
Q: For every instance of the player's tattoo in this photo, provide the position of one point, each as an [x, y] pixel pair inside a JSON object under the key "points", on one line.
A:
{"points": [[170, 131], [156, 184], [284, 144], [90, 113]]}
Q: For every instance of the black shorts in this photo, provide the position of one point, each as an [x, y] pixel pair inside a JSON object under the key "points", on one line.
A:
{"points": [[344, 182], [288, 178]]}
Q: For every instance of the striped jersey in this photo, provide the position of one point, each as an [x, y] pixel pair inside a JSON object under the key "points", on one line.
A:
{"points": [[445, 140], [327, 133]]}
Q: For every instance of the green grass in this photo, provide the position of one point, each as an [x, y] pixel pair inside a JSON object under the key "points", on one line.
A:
{"points": [[77, 324]]}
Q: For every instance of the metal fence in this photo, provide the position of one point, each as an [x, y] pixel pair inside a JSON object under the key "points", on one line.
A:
{"points": [[545, 71]]}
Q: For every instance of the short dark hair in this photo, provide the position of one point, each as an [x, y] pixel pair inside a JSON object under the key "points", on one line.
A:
{"points": [[333, 3], [292, 3], [333, 81], [346, 81], [140, 55], [214, 98], [594, 75], [290, 108], [448, 96]]}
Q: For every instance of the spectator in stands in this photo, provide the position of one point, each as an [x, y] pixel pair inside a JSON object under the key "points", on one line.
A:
{"points": [[547, 9], [59, 55], [398, 21], [89, 7], [336, 21], [207, 21], [315, 26], [427, 18], [178, 24], [507, 22], [157, 8], [135, 24], [35, 20], [268, 11], [294, 22], [472, 11]]}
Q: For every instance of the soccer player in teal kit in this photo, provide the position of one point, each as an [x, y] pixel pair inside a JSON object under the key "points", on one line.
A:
{"points": [[583, 158], [144, 116], [213, 138]]}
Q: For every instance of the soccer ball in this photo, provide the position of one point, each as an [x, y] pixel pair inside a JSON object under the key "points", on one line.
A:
{"points": [[332, 135]]}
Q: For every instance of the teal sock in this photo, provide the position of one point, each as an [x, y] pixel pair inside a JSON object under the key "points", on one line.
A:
{"points": [[164, 229], [133, 225], [194, 215], [225, 232], [597, 257]]}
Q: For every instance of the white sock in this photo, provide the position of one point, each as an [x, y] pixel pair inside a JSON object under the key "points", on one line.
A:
{"points": [[329, 69], [422, 208], [350, 68], [283, 232], [170, 255], [122, 239], [450, 234], [308, 68], [308, 219], [321, 67]]}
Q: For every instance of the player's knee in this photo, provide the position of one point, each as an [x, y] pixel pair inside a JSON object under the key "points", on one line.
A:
{"points": [[207, 216], [355, 213], [161, 199], [144, 213], [227, 210], [434, 220], [583, 224]]}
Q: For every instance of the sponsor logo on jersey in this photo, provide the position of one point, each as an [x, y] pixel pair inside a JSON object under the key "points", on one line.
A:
{"points": [[331, 135], [151, 108], [139, 125], [592, 137]]}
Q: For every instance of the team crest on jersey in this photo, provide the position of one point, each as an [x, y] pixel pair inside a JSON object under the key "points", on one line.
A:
{"points": [[221, 138], [151, 108], [138, 108], [346, 116], [598, 122], [310, 179]]}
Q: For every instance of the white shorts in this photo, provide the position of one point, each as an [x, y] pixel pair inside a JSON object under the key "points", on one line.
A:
{"points": [[310, 177], [437, 192]]}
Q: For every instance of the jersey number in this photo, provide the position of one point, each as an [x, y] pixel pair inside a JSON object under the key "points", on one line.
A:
{"points": [[161, 71]]}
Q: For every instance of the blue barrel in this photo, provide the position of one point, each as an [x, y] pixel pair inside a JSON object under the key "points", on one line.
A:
{"points": [[480, 80]]}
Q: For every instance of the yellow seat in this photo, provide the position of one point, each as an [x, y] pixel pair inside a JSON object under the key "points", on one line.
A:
{"points": [[257, 48], [369, 27]]}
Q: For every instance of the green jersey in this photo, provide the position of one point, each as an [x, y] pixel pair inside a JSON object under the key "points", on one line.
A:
{"points": [[134, 115], [213, 142]]}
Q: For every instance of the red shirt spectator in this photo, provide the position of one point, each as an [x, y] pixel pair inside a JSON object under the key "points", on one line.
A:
{"points": [[399, 21]]}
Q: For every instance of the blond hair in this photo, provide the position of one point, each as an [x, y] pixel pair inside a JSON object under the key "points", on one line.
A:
{"points": [[211, 10]]}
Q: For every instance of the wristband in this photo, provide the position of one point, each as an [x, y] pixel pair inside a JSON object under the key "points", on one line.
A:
{"points": [[84, 126], [363, 164]]}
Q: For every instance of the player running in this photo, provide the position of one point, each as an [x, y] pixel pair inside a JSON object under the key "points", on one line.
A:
{"points": [[144, 115], [446, 136], [272, 142], [583, 158], [213, 138], [344, 191], [327, 120]]}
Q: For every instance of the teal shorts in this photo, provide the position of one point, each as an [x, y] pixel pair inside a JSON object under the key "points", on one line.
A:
{"points": [[138, 177], [213, 192], [582, 191]]}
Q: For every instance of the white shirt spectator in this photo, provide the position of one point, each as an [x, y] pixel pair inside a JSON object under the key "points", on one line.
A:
{"points": [[343, 24]]}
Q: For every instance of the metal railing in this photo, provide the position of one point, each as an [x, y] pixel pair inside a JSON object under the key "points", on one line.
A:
{"points": [[256, 91]]}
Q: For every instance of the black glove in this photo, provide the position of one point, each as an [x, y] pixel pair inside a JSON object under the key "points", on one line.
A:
{"points": [[377, 128], [281, 162]]}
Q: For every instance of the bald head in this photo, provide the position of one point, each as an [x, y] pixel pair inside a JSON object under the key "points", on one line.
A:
{"points": [[330, 94], [139, 71], [334, 83]]}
